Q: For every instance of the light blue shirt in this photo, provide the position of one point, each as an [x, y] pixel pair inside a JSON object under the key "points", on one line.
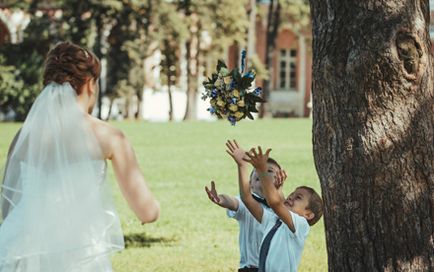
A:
{"points": [[250, 235], [286, 246]]}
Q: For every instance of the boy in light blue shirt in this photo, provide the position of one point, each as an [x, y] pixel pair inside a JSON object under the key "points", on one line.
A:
{"points": [[287, 224], [251, 232]]}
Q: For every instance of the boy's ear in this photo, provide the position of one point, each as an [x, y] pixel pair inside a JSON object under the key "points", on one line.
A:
{"points": [[309, 215]]}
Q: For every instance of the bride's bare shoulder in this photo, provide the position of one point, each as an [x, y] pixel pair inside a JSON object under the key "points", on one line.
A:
{"points": [[107, 135]]}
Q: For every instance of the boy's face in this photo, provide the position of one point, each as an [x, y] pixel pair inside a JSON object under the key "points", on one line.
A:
{"points": [[255, 182], [298, 201]]}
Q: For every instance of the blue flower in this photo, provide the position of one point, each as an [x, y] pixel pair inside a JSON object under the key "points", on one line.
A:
{"points": [[211, 110], [233, 84], [250, 75], [214, 93], [257, 91], [234, 100], [233, 120]]}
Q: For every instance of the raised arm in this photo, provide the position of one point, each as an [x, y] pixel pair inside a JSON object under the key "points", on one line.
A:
{"points": [[131, 180], [223, 200], [272, 195], [238, 155]]}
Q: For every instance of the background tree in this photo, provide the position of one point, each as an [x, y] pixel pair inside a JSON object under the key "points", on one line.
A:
{"points": [[23, 62], [225, 22], [133, 38], [373, 132], [173, 32]]}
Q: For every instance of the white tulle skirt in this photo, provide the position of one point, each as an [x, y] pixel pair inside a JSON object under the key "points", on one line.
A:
{"points": [[52, 231]]}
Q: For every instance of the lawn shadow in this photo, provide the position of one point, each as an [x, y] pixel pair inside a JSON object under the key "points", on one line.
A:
{"points": [[144, 240]]}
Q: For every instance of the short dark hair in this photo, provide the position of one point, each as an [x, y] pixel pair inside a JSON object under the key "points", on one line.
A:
{"points": [[270, 161], [273, 161], [315, 205]]}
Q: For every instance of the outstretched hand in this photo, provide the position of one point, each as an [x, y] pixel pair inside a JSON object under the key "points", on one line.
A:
{"points": [[213, 195], [236, 152], [280, 178], [258, 159]]}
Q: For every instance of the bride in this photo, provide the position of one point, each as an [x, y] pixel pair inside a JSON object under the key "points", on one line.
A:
{"points": [[56, 211]]}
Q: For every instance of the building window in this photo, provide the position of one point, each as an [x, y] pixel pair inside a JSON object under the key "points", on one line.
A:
{"points": [[288, 69]]}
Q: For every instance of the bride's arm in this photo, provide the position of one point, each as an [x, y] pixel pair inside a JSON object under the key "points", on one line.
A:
{"points": [[131, 180]]}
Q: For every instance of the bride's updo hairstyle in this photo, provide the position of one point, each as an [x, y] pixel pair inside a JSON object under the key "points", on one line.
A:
{"points": [[68, 62]]}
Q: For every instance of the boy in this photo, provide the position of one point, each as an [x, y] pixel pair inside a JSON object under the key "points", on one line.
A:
{"points": [[251, 232], [286, 229]]}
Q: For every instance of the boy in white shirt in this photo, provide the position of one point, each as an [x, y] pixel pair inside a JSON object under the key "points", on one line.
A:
{"points": [[251, 232], [285, 227]]}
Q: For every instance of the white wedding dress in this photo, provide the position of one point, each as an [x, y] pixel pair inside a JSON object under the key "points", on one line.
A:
{"points": [[57, 211]]}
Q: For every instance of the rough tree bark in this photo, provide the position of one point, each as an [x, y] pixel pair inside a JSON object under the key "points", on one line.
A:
{"points": [[373, 132]]}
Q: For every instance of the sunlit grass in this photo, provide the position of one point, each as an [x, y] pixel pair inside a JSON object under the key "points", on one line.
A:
{"points": [[178, 160]]}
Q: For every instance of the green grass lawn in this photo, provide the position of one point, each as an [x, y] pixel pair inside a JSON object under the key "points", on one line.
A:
{"points": [[178, 160]]}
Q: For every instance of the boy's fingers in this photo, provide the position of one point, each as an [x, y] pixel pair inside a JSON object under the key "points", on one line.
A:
{"points": [[278, 176], [267, 153], [236, 144], [283, 174], [253, 150], [210, 196], [229, 146], [230, 153], [233, 145], [248, 155], [260, 150], [208, 191], [247, 160]]}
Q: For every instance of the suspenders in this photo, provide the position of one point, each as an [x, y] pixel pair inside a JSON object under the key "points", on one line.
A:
{"points": [[265, 247]]}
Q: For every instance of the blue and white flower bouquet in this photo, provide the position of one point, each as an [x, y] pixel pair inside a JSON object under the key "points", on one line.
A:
{"points": [[230, 92]]}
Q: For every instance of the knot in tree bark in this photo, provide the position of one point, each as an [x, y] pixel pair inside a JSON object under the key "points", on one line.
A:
{"points": [[409, 52]]}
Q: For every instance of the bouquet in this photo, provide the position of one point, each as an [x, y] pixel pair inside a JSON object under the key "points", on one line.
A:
{"points": [[229, 92]]}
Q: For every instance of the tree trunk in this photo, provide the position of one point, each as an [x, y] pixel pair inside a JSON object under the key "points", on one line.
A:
{"points": [[373, 127], [190, 110], [169, 92], [273, 22], [110, 108], [251, 41], [138, 113], [192, 68]]}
